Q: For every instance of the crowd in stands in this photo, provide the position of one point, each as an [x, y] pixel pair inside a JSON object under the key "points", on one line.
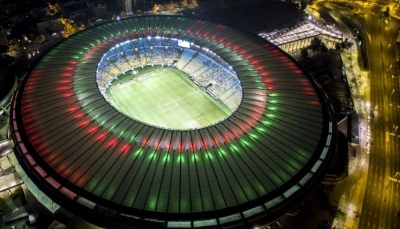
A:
{"points": [[204, 67]]}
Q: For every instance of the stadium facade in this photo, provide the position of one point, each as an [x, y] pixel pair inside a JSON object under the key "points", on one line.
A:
{"points": [[118, 172]]}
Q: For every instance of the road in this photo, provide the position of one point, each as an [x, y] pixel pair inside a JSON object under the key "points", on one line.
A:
{"points": [[381, 203], [381, 200]]}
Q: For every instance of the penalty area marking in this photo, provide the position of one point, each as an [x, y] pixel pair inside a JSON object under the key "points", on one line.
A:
{"points": [[117, 101]]}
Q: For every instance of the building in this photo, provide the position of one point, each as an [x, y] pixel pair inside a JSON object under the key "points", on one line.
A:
{"points": [[126, 6], [7, 9], [80, 154], [212, 5], [75, 9], [293, 40], [3, 36], [19, 17], [50, 25], [138, 2], [100, 11], [38, 13]]}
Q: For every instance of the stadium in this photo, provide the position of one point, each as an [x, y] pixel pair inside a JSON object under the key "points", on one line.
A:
{"points": [[171, 122]]}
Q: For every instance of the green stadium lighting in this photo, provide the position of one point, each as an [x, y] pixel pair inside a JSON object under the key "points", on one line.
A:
{"points": [[138, 152], [104, 161]]}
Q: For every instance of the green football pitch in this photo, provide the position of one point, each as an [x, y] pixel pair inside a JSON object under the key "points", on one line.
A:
{"points": [[167, 98]]}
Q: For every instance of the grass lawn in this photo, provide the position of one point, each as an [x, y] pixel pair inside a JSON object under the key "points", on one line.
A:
{"points": [[166, 97]]}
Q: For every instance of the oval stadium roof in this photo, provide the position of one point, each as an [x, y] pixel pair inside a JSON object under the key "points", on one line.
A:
{"points": [[112, 170]]}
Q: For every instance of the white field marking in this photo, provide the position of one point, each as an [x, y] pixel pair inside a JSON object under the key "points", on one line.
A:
{"points": [[126, 106], [177, 100], [123, 108], [171, 101]]}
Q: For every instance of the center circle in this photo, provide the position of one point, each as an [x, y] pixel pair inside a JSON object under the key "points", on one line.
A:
{"points": [[168, 83]]}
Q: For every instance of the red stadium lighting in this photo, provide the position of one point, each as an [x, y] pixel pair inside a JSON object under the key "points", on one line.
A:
{"points": [[106, 166]]}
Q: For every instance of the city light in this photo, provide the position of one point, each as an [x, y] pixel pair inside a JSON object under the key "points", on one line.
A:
{"points": [[59, 114]]}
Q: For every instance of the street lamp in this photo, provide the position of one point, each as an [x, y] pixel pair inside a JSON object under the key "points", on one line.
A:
{"points": [[367, 105]]}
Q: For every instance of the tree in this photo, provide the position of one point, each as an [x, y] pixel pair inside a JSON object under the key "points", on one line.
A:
{"points": [[3, 48], [304, 3], [156, 9], [304, 54], [172, 6], [349, 44], [315, 44], [84, 18], [22, 28], [323, 48], [184, 3], [338, 46]]}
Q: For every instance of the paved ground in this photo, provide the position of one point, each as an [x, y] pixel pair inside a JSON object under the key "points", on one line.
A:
{"points": [[349, 194], [12, 199]]}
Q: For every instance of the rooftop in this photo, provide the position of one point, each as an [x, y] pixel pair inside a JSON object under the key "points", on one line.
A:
{"points": [[89, 157]]}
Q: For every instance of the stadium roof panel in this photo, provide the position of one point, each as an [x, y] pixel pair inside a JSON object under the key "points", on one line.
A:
{"points": [[258, 158]]}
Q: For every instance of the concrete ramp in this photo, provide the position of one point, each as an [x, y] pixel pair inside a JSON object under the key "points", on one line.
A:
{"points": [[6, 147]]}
